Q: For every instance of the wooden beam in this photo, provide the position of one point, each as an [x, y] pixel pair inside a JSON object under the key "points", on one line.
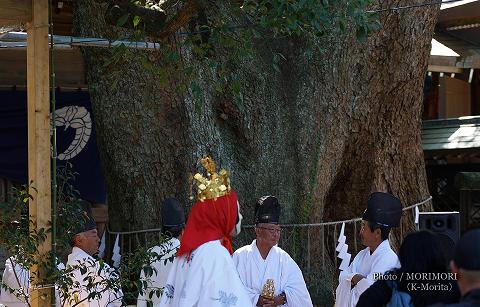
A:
{"points": [[439, 61], [446, 69], [69, 68], [15, 12], [39, 174]]}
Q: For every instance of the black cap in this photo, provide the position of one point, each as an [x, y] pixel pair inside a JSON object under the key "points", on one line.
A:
{"points": [[267, 210], [467, 251], [383, 209], [87, 218], [85, 221], [172, 213]]}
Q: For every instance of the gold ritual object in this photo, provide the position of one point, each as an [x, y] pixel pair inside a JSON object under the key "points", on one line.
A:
{"points": [[268, 291]]}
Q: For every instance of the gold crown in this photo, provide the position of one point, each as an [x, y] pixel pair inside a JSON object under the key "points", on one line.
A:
{"points": [[214, 184]]}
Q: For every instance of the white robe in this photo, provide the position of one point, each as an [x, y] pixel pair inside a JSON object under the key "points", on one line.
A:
{"points": [[161, 269], [9, 279], [21, 286], [207, 278], [279, 266], [107, 298], [382, 260]]}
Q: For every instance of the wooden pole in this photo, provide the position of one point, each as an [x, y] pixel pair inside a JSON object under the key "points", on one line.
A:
{"points": [[39, 174]]}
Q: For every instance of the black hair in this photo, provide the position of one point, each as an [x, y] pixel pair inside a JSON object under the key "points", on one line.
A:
{"points": [[385, 231], [421, 252], [174, 231]]}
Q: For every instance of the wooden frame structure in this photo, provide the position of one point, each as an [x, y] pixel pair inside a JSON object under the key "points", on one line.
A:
{"points": [[35, 13]]}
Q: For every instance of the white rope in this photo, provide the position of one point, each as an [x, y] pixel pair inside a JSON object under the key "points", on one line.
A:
{"points": [[282, 225], [344, 221], [133, 231]]}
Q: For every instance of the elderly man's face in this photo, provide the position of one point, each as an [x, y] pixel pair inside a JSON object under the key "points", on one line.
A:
{"points": [[88, 241], [267, 234]]}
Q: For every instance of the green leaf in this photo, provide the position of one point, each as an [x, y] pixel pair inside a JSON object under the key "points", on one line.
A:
{"points": [[236, 86], [136, 21], [197, 108], [122, 20], [361, 34], [276, 67]]}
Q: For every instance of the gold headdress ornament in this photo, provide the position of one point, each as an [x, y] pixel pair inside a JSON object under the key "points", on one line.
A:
{"points": [[214, 184]]}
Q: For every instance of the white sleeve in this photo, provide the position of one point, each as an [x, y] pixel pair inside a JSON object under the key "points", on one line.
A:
{"points": [[295, 287], [110, 297], [351, 270], [142, 297], [344, 293], [9, 279], [240, 266], [384, 264]]}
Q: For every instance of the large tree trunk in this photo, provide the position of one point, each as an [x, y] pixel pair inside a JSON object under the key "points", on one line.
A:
{"points": [[320, 134]]}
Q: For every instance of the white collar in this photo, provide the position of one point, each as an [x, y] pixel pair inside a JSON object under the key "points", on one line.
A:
{"points": [[380, 248], [79, 253]]}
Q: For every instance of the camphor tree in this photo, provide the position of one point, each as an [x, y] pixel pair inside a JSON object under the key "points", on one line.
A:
{"points": [[317, 102]]}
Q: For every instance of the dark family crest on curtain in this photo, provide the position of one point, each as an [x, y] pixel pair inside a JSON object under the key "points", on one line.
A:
{"points": [[76, 141]]}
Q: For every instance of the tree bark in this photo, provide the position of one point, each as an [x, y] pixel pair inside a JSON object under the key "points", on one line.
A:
{"points": [[320, 134]]}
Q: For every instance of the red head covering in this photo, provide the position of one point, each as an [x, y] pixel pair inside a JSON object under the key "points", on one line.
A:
{"points": [[210, 220]]}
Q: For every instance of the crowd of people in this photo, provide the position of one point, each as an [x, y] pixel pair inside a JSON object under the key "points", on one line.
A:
{"points": [[198, 267]]}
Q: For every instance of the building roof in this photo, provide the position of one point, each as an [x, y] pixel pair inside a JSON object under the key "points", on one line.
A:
{"points": [[458, 27], [451, 134]]}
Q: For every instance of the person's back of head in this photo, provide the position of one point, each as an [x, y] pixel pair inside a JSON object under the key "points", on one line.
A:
{"points": [[466, 261], [422, 252], [173, 218]]}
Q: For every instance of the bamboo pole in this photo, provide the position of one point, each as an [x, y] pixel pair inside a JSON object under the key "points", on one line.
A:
{"points": [[39, 173]]}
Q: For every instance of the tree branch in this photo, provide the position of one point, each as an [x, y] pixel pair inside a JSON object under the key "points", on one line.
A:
{"points": [[153, 22], [179, 20]]}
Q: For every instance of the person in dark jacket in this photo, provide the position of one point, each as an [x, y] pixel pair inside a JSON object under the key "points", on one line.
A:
{"points": [[466, 266], [420, 252]]}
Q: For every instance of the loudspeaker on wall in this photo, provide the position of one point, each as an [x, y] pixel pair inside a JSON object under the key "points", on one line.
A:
{"points": [[446, 225]]}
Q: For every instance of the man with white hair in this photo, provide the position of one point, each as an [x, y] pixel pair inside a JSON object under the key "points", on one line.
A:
{"points": [[93, 282], [264, 264]]}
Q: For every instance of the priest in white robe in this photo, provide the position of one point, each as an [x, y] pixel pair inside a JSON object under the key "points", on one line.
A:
{"points": [[173, 224], [263, 260], [17, 278], [383, 212], [203, 273], [89, 275]]}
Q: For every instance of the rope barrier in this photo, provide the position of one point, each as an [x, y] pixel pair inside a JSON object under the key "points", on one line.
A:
{"points": [[284, 225], [132, 232], [344, 221]]}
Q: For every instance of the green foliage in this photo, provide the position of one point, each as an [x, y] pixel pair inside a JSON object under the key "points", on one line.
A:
{"points": [[21, 239], [223, 37], [309, 17], [123, 20]]}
